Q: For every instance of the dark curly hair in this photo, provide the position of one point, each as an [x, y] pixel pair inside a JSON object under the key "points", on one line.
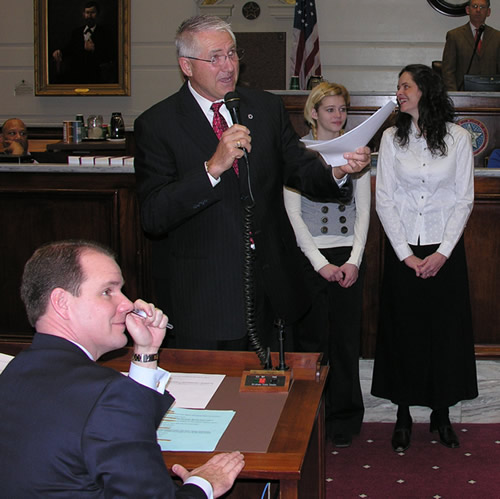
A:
{"points": [[435, 109]]}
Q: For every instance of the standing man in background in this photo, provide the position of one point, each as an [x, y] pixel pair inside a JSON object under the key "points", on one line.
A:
{"points": [[460, 43], [191, 188]]}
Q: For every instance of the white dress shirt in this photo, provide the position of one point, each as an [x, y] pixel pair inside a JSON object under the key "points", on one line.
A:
{"points": [[205, 105], [421, 197], [87, 33], [474, 31]]}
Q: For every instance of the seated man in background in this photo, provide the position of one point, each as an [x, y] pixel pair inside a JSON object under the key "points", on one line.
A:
{"points": [[71, 427], [14, 137], [494, 159], [459, 47]]}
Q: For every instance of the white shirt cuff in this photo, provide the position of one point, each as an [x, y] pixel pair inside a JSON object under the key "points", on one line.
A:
{"points": [[156, 379], [214, 181], [340, 181], [204, 485]]}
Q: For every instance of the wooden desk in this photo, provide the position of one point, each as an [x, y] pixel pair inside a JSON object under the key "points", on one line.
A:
{"points": [[294, 462]]}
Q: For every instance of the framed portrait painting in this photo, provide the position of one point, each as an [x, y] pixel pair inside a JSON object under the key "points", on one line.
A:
{"points": [[82, 47]]}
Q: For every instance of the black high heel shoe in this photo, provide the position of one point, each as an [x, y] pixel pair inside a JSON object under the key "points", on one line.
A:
{"points": [[401, 437], [402, 430], [447, 435]]}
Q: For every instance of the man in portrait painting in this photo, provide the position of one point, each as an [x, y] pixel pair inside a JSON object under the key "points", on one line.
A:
{"points": [[90, 54]]}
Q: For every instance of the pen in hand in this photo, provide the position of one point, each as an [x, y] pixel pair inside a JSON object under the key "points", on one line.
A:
{"points": [[143, 315]]}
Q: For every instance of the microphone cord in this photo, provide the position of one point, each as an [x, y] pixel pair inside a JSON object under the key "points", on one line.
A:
{"points": [[232, 102], [249, 278]]}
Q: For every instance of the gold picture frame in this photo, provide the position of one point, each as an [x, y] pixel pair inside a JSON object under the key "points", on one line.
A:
{"points": [[71, 62]]}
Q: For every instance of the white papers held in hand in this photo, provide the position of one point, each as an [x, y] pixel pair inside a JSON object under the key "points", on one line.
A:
{"points": [[4, 360], [333, 150]]}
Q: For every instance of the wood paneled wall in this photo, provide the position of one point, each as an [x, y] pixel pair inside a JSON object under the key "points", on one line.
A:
{"points": [[36, 207]]}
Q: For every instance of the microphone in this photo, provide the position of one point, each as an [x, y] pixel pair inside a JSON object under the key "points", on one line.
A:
{"points": [[232, 102], [481, 29]]}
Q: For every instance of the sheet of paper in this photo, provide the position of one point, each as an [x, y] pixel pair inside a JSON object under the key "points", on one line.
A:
{"points": [[333, 150], [4, 360], [192, 429], [192, 390]]}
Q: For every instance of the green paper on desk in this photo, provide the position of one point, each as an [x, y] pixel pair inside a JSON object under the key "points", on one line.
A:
{"points": [[197, 430]]}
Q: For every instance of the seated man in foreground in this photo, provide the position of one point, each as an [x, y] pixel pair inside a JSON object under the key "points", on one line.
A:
{"points": [[73, 428]]}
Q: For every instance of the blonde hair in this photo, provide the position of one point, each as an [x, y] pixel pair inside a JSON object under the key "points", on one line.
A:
{"points": [[318, 93]]}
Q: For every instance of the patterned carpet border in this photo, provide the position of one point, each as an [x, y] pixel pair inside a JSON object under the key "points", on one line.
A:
{"points": [[371, 469]]}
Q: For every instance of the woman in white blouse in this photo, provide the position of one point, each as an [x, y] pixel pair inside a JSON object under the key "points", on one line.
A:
{"points": [[333, 237], [424, 196]]}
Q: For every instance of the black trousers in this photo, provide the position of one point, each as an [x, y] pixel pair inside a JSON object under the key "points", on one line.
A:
{"points": [[333, 326]]}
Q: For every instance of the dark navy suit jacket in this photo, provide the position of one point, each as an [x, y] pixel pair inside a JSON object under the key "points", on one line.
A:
{"points": [[197, 229], [72, 428]]}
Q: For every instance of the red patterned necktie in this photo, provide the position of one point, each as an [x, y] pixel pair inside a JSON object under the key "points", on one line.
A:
{"points": [[478, 49], [219, 125]]}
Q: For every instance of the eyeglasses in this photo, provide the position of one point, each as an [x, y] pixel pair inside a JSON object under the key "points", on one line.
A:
{"points": [[480, 7], [218, 60]]}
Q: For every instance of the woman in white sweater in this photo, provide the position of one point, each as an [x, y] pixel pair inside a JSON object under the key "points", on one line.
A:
{"points": [[333, 237]]}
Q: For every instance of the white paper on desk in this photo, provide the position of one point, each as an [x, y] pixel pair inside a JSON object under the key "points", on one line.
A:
{"points": [[192, 429], [4, 360], [333, 150], [192, 390]]}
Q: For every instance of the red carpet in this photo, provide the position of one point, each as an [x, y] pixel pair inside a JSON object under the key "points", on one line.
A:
{"points": [[371, 469]]}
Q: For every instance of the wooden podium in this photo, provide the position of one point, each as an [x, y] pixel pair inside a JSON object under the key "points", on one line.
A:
{"points": [[294, 462]]}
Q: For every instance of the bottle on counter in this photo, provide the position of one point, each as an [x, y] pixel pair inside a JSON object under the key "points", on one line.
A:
{"points": [[79, 118], [72, 132], [313, 81], [94, 127], [116, 126], [294, 83]]}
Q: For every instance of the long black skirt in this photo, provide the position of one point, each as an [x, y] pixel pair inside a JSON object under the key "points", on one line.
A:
{"points": [[425, 346]]}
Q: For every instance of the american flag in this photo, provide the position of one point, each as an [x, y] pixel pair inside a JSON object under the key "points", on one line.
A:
{"points": [[305, 58]]}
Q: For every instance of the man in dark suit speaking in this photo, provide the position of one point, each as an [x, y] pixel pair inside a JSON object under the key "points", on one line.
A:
{"points": [[191, 190], [459, 47], [72, 428]]}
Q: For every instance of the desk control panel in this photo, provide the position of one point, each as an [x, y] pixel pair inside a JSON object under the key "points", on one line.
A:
{"points": [[265, 381]]}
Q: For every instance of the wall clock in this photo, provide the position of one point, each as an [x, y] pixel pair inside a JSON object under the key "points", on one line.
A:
{"points": [[251, 11], [454, 8]]}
